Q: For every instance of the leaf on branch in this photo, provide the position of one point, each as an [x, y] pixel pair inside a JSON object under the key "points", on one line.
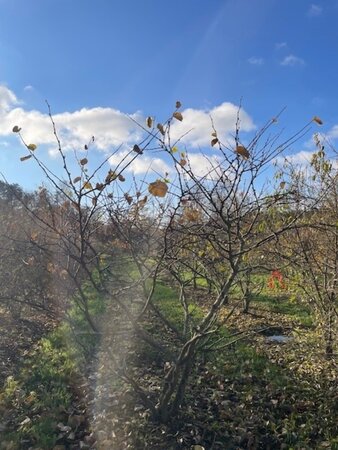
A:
{"points": [[99, 186], [191, 214], [174, 150], [137, 149], [158, 188], [178, 104], [83, 161], [111, 176], [141, 203], [214, 141], [214, 134], [183, 162], [76, 179], [86, 147], [282, 184], [32, 147], [128, 198], [88, 185], [121, 178], [178, 116], [16, 129], [318, 120], [242, 151], [24, 158], [149, 122], [161, 129]]}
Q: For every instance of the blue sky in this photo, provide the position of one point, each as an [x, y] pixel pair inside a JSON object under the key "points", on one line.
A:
{"points": [[97, 61]]}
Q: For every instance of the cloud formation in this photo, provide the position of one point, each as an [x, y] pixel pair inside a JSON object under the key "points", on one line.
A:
{"points": [[113, 128], [256, 61], [196, 127], [314, 10], [292, 60]]}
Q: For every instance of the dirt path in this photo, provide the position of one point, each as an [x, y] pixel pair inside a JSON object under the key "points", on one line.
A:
{"points": [[109, 400]]}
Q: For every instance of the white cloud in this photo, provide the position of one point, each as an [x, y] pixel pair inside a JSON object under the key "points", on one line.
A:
{"points": [[256, 61], [110, 127], [29, 87], [303, 157], [113, 128], [142, 164], [204, 166], [280, 45], [292, 60], [197, 124], [314, 10], [7, 99]]}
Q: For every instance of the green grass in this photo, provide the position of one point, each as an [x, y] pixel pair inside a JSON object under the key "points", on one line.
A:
{"points": [[41, 391], [285, 305]]}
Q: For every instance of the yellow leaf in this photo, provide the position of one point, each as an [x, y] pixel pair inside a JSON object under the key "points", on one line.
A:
{"points": [[111, 176], [16, 129], [88, 185], [32, 147], [214, 141], [158, 188], [149, 122], [83, 161], [174, 149], [318, 120], [24, 158], [178, 116], [178, 104], [242, 151]]}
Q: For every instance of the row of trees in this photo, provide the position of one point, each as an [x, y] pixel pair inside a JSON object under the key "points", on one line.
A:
{"points": [[223, 227]]}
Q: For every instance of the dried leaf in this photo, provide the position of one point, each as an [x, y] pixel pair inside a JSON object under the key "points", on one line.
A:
{"points": [[161, 129], [24, 158], [178, 116], [158, 188], [76, 179], [99, 186], [128, 198], [178, 104], [183, 162], [16, 129], [83, 161], [282, 184], [111, 176], [149, 122], [86, 147], [121, 178], [242, 151], [214, 134], [137, 149], [214, 141], [318, 120], [32, 147], [88, 185]]}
